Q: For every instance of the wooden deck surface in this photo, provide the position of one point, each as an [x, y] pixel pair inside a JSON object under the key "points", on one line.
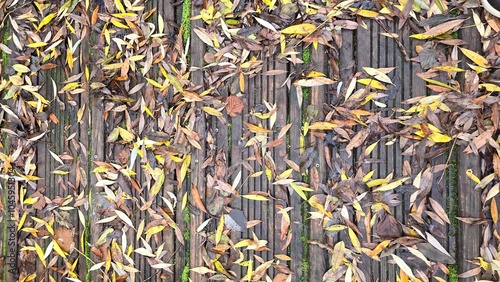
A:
{"points": [[222, 141]]}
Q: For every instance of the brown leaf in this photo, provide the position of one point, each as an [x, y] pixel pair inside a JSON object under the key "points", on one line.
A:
{"points": [[494, 211], [197, 199], [357, 140], [389, 227], [234, 106], [439, 210], [274, 143], [280, 277], [64, 238], [470, 273], [496, 164]]}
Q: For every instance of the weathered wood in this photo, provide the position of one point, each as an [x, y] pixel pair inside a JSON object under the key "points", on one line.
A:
{"points": [[364, 59], [318, 257], [281, 101], [97, 149], [469, 200], [197, 156], [297, 251], [469, 203]]}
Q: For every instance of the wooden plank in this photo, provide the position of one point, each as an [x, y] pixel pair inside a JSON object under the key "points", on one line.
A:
{"points": [[281, 100], [298, 249], [392, 54], [197, 156], [318, 258], [469, 203], [97, 148], [363, 59], [469, 200], [171, 245], [267, 215], [180, 260]]}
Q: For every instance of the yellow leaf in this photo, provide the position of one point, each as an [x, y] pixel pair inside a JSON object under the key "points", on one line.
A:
{"points": [[40, 253], [354, 240], [243, 243], [438, 83], [118, 24], [30, 201], [184, 201], [211, 111], [365, 13], [60, 172], [336, 227], [16, 80], [155, 229], [21, 68], [46, 20], [439, 138], [370, 148], [300, 29], [377, 182], [126, 135], [256, 129], [114, 66], [300, 190], [269, 3], [322, 125], [220, 228], [379, 248], [37, 44], [392, 185], [368, 175], [490, 87], [448, 69], [184, 168], [475, 57], [175, 82], [255, 197], [58, 249], [80, 113], [221, 269], [372, 83], [472, 176]]}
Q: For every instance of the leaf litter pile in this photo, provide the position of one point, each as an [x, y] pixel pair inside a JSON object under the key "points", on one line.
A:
{"points": [[140, 77]]}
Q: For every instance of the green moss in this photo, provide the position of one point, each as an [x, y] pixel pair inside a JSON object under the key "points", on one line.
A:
{"points": [[305, 245], [186, 20], [185, 271], [187, 219], [306, 57], [86, 249], [187, 236], [452, 200], [453, 276]]}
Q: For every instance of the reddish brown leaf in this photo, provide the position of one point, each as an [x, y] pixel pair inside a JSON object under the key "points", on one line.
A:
{"points": [[64, 238], [274, 143], [234, 106]]}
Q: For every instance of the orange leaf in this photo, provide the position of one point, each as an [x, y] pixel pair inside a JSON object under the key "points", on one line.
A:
{"points": [[494, 211], [256, 129], [197, 199]]}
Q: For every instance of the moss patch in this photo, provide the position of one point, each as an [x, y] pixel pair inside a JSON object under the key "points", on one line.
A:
{"points": [[186, 20]]}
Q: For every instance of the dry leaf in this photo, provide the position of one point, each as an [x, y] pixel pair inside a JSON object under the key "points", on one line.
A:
{"points": [[234, 106]]}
